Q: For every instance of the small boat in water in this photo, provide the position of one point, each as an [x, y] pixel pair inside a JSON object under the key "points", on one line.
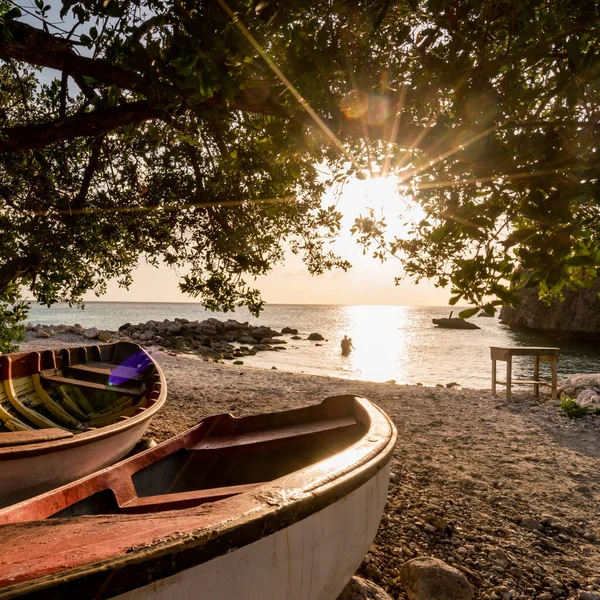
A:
{"points": [[67, 413], [454, 323], [273, 506]]}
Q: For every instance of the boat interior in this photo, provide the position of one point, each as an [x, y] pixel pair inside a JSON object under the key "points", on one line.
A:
{"points": [[53, 394], [221, 457]]}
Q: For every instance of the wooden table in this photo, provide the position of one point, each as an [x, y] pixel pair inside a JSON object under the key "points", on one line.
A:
{"points": [[546, 354]]}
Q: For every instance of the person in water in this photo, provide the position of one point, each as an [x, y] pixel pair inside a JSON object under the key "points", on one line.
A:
{"points": [[347, 346]]}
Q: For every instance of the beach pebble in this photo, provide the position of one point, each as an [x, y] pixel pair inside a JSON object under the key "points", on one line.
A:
{"points": [[436, 521], [91, 333], [500, 557], [583, 595], [362, 589], [432, 579], [531, 524], [104, 336], [144, 444]]}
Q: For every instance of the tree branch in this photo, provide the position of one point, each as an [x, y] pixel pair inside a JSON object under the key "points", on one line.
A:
{"points": [[21, 86], [17, 268], [96, 123], [91, 168], [28, 44]]}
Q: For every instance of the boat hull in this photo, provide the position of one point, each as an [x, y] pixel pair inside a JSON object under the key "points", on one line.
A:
{"points": [[46, 445], [310, 560], [25, 477], [281, 505]]}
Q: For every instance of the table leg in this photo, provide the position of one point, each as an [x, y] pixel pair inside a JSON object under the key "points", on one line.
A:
{"points": [[554, 377], [508, 377], [493, 376], [536, 376]]}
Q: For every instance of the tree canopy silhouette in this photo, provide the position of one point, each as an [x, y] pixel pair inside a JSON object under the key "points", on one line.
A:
{"points": [[193, 131]]}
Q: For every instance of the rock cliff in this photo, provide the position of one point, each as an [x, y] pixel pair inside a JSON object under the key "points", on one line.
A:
{"points": [[577, 316]]}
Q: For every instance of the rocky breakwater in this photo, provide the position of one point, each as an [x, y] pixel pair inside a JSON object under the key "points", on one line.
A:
{"points": [[70, 331], [211, 338]]}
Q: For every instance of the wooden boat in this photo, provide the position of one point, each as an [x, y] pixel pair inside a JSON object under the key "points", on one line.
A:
{"points": [[454, 323], [67, 413], [281, 505]]}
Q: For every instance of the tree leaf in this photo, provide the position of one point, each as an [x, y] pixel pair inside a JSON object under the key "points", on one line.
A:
{"points": [[13, 13]]}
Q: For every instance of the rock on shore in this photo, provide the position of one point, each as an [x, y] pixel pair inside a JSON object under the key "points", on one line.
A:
{"points": [[582, 387], [432, 579]]}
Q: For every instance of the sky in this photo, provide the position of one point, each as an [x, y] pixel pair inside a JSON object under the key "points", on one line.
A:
{"points": [[368, 282]]}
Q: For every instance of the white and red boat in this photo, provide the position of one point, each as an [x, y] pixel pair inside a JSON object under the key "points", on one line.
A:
{"points": [[270, 507], [67, 413]]}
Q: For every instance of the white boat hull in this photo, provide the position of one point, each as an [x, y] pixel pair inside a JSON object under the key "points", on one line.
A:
{"points": [[312, 559]]}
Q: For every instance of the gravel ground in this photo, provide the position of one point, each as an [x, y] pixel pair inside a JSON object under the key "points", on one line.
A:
{"points": [[508, 493]]}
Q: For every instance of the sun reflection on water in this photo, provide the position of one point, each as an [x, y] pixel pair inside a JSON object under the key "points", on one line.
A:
{"points": [[382, 342]]}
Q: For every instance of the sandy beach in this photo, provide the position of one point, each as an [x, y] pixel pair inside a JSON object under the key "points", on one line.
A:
{"points": [[508, 493]]}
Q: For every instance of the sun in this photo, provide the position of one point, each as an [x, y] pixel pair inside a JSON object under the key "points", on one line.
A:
{"points": [[385, 197]]}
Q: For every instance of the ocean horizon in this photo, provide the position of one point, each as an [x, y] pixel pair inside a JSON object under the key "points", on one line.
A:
{"points": [[392, 342]]}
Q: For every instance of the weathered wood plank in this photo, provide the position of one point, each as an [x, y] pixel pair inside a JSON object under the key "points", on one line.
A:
{"points": [[271, 435], [186, 499]]}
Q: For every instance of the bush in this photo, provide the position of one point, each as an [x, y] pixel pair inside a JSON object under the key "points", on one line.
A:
{"points": [[574, 410], [13, 311]]}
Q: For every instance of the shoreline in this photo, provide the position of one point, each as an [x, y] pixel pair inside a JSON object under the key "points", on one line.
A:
{"points": [[279, 356], [507, 492], [395, 342]]}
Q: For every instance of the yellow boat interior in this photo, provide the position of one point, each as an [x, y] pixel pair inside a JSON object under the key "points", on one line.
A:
{"points": [[72, 390]]}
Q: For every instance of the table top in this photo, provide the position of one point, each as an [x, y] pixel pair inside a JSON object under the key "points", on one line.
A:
{"points": [[526, 350]]}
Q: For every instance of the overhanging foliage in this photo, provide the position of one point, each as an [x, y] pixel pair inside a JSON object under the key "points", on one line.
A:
{"points": [[169, 134]]}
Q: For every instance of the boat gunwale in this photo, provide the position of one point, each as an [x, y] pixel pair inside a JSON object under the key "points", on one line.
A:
{"points": [[169, 556], [85, 437]]}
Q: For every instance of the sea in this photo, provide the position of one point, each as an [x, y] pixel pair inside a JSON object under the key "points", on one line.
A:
{"points": [[398, 343]]}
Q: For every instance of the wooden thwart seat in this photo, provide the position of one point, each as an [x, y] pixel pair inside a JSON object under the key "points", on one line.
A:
{"points": [[185, 499], [105, 370], [59, 380], [287, 434]]}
